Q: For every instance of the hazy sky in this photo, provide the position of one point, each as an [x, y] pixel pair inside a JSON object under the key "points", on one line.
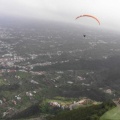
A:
{"points": [[107, 11]]}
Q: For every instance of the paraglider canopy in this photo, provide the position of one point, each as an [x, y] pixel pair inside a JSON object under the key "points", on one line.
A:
{"points": [[85, 15]]}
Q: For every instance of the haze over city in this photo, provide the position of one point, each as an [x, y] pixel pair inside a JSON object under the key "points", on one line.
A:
{"points": [[107, 11], [59, 60]]}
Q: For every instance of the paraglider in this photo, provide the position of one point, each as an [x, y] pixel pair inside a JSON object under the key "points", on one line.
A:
{"points": [[85, 15], [84, 35]]}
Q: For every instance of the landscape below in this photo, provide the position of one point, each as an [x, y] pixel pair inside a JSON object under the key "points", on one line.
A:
{"points": [[50, 71]]}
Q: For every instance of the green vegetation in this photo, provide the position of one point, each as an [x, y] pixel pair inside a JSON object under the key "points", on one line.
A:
{"points": [[24, 75], [84, 64], [47, 109], [61, 100], [85, 113], [69, 67], [113, 114], [2, 82]]}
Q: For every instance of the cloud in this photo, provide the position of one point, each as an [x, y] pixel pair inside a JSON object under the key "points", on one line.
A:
{"points": [[106, 10]]}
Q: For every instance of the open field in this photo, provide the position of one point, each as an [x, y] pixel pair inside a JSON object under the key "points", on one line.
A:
{"points": [[113, 114]]}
